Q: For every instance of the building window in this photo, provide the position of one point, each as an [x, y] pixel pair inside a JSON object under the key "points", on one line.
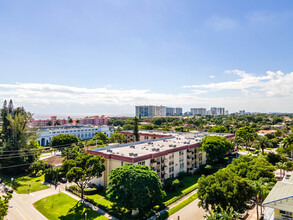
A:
{"points": [[121, 163], [181, 165], [141, 163], [181, 152], [286, 213]]}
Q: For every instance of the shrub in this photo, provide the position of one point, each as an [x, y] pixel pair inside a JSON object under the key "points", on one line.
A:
{"points": [[181, 175], [40, 173]]}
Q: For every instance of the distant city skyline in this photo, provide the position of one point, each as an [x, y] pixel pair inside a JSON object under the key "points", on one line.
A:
{"points": [[105, 57]]}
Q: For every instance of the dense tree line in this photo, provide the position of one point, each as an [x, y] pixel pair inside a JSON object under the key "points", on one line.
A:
{"points": [[18, 143]]}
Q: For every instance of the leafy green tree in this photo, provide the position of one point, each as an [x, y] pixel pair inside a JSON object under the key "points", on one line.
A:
{"points": [[252, 168], [72, 152], [261, 187], [37, 166], [118, 138], [179, 129], [247, 133], [222, 189], [84, 168], [64, 140], [218, 129], [70, 120], [135, 129], [288, 143], [262, 142], [4, 205], [16, 136], [100, 136], [135, 187], [220, 214], [216, 147], [275, 158]]}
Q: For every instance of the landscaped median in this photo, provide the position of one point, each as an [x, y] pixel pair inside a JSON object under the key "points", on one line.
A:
{"points": [[62, 206]]}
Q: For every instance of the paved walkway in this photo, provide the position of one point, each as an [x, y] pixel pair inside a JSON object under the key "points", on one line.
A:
{"points": [[21, 205], [189, 212], [172, 205]]}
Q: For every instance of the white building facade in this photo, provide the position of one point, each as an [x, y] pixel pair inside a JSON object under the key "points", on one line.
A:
{"points": [[82, 132]]}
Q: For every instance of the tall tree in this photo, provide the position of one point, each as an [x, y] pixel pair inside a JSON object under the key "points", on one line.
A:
{"points": [[17, 140], [262, 142], [64, 140], [288, 143], [222, 189], [247, 134], [135, 129], [118, 138], [216, 147], [135, 187], [84, 168]]}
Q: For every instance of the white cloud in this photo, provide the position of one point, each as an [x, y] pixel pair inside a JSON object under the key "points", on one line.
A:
{"points": [[212, 77], [276, 84]]}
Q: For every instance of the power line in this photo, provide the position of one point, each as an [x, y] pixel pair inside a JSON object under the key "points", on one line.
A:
{"points": [[15, 165]]}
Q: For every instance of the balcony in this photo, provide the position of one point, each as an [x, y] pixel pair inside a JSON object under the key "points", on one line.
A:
{"points": [[153, 165], [166, 176]]}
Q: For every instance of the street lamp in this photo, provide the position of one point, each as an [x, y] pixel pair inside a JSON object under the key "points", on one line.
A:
{"points": [[85, 215], [28, 190]]}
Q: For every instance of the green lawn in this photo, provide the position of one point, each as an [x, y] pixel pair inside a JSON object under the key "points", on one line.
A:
{"points": [[100, 199], [177, 207], [188, 181], [22, 183], [62, 206]]}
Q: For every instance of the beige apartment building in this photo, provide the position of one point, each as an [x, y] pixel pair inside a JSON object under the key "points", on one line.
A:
{"points": [[167, 153]]}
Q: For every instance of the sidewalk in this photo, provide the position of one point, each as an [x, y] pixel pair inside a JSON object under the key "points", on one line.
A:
{"points": [[172, 205]]}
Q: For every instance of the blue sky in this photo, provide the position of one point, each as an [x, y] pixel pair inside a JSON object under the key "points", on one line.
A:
{"points": [[70, 57]]}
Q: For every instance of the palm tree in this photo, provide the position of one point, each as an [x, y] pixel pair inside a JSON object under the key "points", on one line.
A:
{"points": [[282, 167], [263, 143], [220, 213], [262, 187], [288, 143]]}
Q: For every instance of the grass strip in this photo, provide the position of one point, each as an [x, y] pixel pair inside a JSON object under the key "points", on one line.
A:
{"points": [[176, 208]]}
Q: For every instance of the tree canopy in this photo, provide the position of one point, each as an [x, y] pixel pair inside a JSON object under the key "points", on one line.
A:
{"points": [[64, 140], [4, 204], [247, 133], [223, 189], [84, 168], [252, 168], [135, 187], [216, 147], [218, 129], [17, 137], [118, 138]]}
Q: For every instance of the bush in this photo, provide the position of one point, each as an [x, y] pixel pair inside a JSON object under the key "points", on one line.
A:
{"points": [[40, 173], [181, 175]]}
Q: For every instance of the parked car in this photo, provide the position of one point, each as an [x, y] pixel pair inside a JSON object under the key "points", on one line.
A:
{"points": [[8, 189], [1, 180], [63, 180]]}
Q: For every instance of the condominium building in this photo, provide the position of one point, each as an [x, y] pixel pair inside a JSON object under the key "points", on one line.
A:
{"points": [[94, 120], [154, 110], [198, 111], [81, 131], [218, 110], [167, 153]]}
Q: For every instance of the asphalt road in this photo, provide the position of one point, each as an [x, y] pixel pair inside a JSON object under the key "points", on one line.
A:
{"points": [[21, 205]]}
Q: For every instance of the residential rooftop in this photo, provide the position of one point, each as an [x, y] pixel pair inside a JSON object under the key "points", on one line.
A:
{"points": [[141, 150]]}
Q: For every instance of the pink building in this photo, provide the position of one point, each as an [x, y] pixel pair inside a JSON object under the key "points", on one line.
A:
{"points": [[94, 120]]}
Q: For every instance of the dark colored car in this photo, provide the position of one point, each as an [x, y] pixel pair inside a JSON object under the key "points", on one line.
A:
{"points": [[63, 180], [8, 189], [1, 180]]}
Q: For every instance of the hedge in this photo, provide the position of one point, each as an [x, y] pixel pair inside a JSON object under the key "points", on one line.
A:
{"points": [[184, 193]]}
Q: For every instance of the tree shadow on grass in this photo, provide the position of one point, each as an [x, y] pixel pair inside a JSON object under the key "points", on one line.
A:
{"points": [[78, 211]]}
